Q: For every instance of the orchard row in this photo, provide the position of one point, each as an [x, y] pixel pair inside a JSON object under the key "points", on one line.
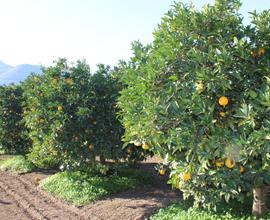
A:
{"points": [[65, 116], [198, 96]]}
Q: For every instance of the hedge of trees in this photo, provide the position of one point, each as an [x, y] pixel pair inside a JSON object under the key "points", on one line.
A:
{"points": [[198, 96], [13, 133], [65, 117]]}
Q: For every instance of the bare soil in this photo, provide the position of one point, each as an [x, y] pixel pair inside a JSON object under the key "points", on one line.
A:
{"points": [[20, 198]]}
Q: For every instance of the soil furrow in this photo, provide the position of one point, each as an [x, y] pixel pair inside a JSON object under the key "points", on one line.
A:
{"points": [[9, 209], [22, 202], [132, 204], [20, 198], [50, 199], [39, 206]]}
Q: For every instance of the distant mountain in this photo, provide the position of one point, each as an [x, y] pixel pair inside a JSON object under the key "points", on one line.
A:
{"points": [[16, 74], [4, 67]]}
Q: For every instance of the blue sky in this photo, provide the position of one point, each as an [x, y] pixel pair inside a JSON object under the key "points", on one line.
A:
{"points": [[101, 31]]}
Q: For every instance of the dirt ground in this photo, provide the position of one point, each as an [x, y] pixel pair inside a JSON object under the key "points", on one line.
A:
{"points": [[21, 199]]}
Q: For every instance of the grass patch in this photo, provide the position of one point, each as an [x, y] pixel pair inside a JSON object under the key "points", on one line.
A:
{"points": [[17, 164], [80, 187], [184, 211]]}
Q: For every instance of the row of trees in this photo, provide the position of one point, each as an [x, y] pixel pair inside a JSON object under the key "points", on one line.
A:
{"points": [[65, 116], [198, 96]]}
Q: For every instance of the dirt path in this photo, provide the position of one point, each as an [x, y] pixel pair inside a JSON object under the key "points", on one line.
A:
{"points": [[21, 199]]}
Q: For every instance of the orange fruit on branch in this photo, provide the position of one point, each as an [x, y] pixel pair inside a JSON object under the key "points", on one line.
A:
{"points": [[230, 163], [219, 163], [223, 101], [186, 176], [129, 150], [91, 146], [222, 114], [242, 169], [162, 171], [261, 51], [55, 81], [69, 81]]}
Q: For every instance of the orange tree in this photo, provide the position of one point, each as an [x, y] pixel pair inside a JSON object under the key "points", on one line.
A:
{"points": [[136, 105], [42, 153], [71, 116], [106, 128], [199, 96], [13, 137]]}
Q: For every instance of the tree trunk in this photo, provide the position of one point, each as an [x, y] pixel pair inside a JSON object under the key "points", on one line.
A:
{"points": [[102, 159], [260, 195]]}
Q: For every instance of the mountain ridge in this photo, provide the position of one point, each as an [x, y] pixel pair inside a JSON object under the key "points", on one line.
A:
{"points": [[16, 74]]}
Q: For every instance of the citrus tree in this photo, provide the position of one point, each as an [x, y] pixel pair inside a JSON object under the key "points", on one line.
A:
{"points": [[13, 136], [107, 129], [199, 97], [42, 154], [71, 116], [59, 119], [136, 104]]}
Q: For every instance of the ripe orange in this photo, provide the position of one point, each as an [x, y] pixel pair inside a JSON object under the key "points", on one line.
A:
{"points": [[69, 81], [55, 81], [230, 163], [222, 114], [162, 171], [223, 101], [219, 163], [91, 146], [129, 150], [145, 146], [186, 176], [261, 51], [59, 108], [242, 169]]}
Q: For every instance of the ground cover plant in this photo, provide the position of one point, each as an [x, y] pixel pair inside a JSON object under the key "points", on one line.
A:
{"points": [[18, 164], [184, 210], [80, 187]]}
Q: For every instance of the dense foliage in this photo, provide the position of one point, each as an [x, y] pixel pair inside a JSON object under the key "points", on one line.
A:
{"points": [[71, 116], [200, 97], [13, 137]]}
